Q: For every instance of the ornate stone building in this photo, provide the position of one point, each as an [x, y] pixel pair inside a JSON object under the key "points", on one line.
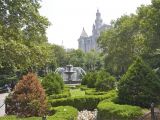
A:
{"points": [[88, 43]]}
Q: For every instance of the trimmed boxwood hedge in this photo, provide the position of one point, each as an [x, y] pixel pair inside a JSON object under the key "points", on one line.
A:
{"points": [[64, 113], [84, 102], [112, 111], [65, 93], [60, 113]]}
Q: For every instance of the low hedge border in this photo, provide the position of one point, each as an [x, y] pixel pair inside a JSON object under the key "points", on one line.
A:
{"points": [[65, 93], [94, 92], [60, 113], [112, 111], [64, 113], [89, 102]]}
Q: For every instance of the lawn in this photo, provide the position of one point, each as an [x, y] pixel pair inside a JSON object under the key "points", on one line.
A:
{"points": [[77, 92]]}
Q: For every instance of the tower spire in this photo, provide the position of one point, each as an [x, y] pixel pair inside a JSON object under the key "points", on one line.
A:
{"points": [[84, 34]]}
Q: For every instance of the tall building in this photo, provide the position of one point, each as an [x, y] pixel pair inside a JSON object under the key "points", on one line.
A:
{"points": [[88, 43]]}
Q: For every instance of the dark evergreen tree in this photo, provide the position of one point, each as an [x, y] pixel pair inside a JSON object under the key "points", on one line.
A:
{"points": [[139, 86]]}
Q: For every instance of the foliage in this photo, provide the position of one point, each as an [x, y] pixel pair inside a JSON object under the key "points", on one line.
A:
{"points": [[89, 79], [64, 113], [61, 113], [77, 92], [28, 98], [110, 110], [93, 61], [131, 36], [65, 93], [53, 84], [94, 92], [76, 58], [83, 102], [105, 81], [22, 36], [139, 86]]}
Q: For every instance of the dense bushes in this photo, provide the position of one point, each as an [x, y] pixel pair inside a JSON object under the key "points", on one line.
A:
{"points": [[139, 86], [28, 98], [112, 111], [53, 84], [64, 113], [84, 102], [101, 80], [89, 79], [105, 81]]}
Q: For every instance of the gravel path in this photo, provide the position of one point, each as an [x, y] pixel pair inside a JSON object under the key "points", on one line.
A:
{"points": [[87, 115], [2, 98]]}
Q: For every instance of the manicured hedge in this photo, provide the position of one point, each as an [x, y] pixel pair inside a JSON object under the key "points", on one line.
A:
{"points": [[112, 111], [94, 92], [64, 113], [65, 93], [84, 102], [60, 113]]}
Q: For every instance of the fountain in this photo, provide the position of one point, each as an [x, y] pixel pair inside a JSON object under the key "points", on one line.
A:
{"points": [[71, 74]]}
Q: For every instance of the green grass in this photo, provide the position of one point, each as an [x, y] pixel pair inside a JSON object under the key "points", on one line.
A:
{"points": [[77, 92], [12, 117], [61, 113]]}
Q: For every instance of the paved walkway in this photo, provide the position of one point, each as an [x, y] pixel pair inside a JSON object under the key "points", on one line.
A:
{"points": [[2, 98]]}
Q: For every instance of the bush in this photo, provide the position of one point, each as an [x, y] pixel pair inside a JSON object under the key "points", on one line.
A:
{"points": [[84, 102], [53, 84], [112, 111], [64, 113], [65, 93], [105, 81], [94, 92], [28, 98], [89, 79], [139, 86]]}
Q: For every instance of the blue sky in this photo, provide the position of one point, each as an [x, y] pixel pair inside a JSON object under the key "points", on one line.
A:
{"points": [[68, 17]]}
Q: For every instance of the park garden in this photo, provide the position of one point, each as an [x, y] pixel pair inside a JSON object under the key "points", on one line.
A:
{"points": [[121, 81]]}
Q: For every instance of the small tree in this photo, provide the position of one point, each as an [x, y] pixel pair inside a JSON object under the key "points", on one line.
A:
{"points": [[28, 98], [53, 83], [105, 81], [139, 86]]}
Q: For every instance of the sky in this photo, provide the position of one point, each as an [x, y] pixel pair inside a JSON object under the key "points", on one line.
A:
{"points": [[68, 17]]}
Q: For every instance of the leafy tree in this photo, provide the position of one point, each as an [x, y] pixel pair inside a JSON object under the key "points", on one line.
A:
{"points": [[76, 58], [22, 32], [28, 98], [93, 61], [21, 20], [53, 84], [139, 86]]}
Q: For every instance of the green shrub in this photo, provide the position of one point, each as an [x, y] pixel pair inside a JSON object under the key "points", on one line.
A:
{"points": [[84, 102], [64, 113], [65, 93], [53, 84], [139, 86], [89, 79], [112, 111], [94, 92], [105, 81]]}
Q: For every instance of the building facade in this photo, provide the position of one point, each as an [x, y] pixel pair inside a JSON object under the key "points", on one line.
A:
{"points": [[88, 43]]}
